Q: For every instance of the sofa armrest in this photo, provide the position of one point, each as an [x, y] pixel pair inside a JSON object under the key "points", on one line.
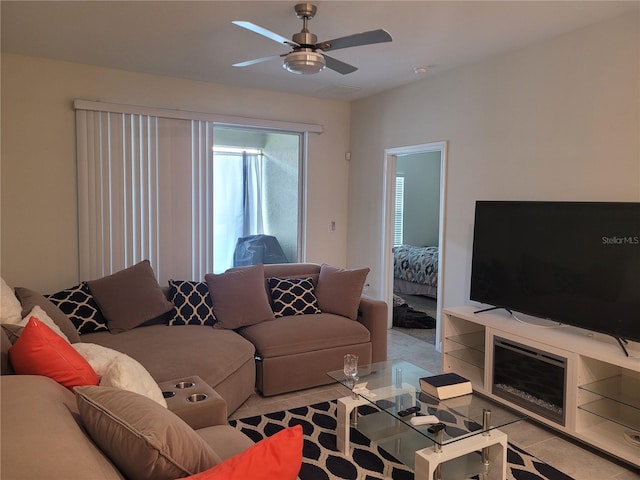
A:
{"points": [[209, 410], [372, 314]]}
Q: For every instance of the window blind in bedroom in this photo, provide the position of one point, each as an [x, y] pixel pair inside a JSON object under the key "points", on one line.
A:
{"points": [[398, 221]]}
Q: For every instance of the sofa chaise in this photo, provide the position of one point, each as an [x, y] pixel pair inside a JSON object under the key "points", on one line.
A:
{"points": [[45, 435]]}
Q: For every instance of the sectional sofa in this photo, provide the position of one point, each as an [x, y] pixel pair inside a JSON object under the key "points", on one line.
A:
{"points": [[271, 328]]}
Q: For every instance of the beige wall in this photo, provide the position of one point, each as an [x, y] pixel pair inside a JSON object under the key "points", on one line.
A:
{"points": [[39, 227], [555, 121], [421, 197]]}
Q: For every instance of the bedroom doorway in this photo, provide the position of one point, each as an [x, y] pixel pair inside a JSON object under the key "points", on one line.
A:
{"points": [[413, 232]]}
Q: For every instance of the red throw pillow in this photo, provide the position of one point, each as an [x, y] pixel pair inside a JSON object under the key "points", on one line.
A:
{"points": [[278, 457], [40, 351]]}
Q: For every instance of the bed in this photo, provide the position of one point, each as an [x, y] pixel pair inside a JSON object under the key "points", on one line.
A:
{"points": [[415, 270]]}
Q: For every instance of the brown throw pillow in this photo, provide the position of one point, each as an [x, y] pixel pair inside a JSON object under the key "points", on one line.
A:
{"points": [[239, 297], [30, 298], [130, 297], [339, 290], [143, 439], [5, 363]]}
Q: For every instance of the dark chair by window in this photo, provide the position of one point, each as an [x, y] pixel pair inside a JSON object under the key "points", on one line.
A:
{"points": [[255, 249]]}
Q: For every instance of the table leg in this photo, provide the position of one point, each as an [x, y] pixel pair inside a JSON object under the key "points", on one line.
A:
{"points": [[428, 461], [354, 416], [486, 424], [347, 410], [342, 433]]}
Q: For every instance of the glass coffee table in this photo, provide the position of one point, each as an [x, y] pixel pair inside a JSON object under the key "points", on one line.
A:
{"points": [[449, 449]]}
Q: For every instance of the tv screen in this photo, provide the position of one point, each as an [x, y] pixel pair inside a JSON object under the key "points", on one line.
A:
{"points": [[576, 263]]}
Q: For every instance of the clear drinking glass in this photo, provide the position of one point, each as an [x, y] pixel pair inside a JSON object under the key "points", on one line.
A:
{"points": [[351, 367]]}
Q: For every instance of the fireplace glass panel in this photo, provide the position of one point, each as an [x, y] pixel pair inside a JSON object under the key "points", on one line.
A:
{"points": [[530, 378]]}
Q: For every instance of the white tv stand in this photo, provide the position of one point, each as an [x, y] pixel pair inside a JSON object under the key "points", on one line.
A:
{"points": [[602, 396]]}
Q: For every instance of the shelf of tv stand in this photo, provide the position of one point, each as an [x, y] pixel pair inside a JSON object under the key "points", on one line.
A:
{"points": [[602, 399], [613, 411], [618, 389], [471, 348], [609, 407], [472, 357], [473, 340], [464, 350]]}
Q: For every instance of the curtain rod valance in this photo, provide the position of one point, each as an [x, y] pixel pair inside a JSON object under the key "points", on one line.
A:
{"points": [[200, 116]]}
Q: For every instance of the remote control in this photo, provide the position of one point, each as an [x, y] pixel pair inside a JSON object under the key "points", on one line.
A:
{"points": [[424, 420], [436, 428], [409, 411]]}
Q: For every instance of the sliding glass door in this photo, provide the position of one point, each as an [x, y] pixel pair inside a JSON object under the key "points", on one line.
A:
{"points": [[257, 193]]}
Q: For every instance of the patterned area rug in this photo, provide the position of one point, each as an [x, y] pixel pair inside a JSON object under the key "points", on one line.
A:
{"points": [[322, 460]]}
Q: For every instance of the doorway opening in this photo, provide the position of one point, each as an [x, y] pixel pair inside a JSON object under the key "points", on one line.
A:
{"points": [[413, 233]]}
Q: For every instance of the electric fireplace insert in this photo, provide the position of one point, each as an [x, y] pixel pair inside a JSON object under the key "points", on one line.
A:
{"points": [[531, 378]]}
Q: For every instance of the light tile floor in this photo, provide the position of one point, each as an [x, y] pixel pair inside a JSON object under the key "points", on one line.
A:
{"points": [[570, 457]]}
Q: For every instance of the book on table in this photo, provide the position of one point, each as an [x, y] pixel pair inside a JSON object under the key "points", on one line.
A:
{"points": [[454, 403], [445, 385]]}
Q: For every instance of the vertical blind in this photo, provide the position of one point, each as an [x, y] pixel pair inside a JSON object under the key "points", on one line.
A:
{"points": [[202, 203], [146, 187], [117, 185], [398, 223], [144, 192]]}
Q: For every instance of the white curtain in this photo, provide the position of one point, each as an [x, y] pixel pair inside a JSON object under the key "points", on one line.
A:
{"points": [[238, 203], [252, 184]]}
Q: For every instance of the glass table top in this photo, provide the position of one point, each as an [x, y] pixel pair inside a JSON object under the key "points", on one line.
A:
{"points": [[393, 386]]}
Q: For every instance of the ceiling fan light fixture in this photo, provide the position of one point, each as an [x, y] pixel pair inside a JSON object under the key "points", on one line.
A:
{"points": [[304, 62]]}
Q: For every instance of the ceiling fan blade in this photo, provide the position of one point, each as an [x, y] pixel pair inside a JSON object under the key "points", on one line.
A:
{"points": [[357, 39], [264, 32], [256, 60], [339, 66]]}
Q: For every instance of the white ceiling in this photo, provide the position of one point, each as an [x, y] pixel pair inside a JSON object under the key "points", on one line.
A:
{"points": [[196, 40]]}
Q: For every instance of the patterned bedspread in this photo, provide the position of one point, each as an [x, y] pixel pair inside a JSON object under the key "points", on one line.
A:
{"points": [[416, 264]]}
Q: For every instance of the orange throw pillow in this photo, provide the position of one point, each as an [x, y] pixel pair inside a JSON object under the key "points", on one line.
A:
{"points": [[40, 351], [278, 457]]}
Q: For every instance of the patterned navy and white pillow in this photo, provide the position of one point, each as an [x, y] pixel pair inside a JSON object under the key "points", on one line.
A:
{"points": [[78, 304], [192, 302], [293, 296]]}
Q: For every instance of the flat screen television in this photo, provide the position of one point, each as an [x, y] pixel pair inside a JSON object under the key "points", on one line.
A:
{"points": [[576, 263]]}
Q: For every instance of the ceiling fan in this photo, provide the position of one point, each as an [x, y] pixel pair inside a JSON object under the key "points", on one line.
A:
{"points": [[307, 56]]}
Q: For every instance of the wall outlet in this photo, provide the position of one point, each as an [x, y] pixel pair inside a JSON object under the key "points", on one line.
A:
{"points": [[332, 226]]}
